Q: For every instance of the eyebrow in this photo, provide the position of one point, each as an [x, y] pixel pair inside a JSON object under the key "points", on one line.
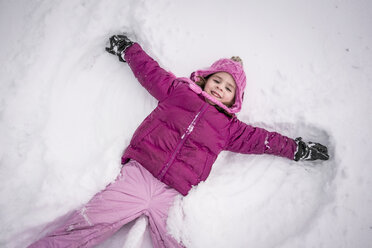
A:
{"points": [[230, 84]]}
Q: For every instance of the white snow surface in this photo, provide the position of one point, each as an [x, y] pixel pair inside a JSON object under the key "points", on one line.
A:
{"points": [[68, 109]]}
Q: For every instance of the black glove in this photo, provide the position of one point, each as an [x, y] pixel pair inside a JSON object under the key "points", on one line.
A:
{"points": [[118, 44], [310, 151]]}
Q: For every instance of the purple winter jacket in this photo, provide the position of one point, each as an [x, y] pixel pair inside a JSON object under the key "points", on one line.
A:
{"points": [[182, 137]]}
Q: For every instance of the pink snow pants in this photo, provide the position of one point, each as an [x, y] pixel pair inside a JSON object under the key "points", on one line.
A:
{"points": [[133, 193]]}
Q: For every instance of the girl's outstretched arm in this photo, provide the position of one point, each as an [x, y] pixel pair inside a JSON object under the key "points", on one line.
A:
{"points": [[155, 79], [254, 140]]}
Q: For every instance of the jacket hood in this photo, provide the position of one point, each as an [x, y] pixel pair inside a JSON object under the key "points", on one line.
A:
{"points": [[235, 69]]}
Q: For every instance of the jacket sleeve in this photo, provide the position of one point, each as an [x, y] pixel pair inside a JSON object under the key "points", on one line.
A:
{"points": [[155, 79], [254, 140]]}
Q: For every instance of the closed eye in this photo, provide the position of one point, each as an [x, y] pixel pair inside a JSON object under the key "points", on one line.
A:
{"points": [[228, 89], [216, 81]]}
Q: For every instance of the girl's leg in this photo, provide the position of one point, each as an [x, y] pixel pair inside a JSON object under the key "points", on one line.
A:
{"points": [[119, 203], [161, 198], [158, 214]]}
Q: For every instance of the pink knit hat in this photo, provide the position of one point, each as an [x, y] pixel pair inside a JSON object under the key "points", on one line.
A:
{"points": [[235, 69]]}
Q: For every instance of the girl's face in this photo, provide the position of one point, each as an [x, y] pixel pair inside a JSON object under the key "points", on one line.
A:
{"points": [[222, 87]]}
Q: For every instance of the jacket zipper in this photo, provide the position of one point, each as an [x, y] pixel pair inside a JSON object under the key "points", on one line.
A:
{"points": [[182, 141]]}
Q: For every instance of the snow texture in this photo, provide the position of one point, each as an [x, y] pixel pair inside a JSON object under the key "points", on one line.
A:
{"points": [[68, 109]]}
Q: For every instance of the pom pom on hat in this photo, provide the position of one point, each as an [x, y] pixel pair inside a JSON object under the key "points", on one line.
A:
{"points": [[237, 59]]}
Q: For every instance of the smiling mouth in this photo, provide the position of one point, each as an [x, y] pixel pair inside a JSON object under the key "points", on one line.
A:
{"points": [[215, 94]]}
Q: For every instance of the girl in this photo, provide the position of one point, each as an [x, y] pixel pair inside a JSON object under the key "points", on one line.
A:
{"points": [[174, 148]]}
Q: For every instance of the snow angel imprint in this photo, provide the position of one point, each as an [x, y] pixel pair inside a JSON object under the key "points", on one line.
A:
{"points": [[174, 148]]}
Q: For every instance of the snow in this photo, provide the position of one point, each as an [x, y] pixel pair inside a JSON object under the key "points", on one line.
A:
{"points": [[68, 109]]}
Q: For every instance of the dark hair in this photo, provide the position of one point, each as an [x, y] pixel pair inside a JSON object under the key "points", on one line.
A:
{"points": [[202, 81]]}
